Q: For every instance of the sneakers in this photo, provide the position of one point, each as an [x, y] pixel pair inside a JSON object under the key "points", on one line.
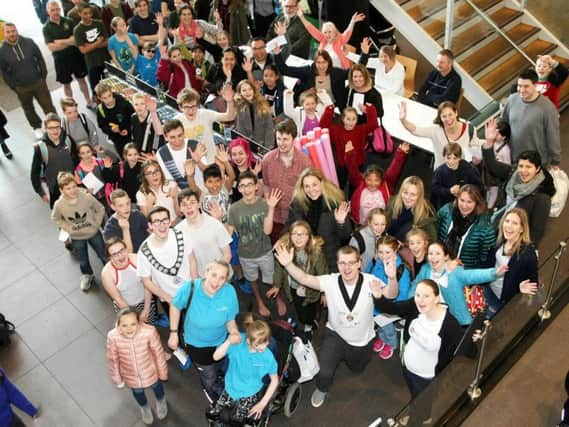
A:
{"points": [[378, 345], [318, 398], [38, 133], [6, 151], [146, 412], [386, 352], [85, 282], [161, 409]]}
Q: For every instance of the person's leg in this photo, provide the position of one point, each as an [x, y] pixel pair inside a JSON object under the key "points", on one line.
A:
{"points": [[330, 355], [250, 268], [42, 94], [67, 91], [415, 383], [242, 408], [139, 396], [212, 378], [80, 247], [267, 266], [84, 88], [26, 98], [357, 358], [98, 245], [158, 389], [388, 334]]}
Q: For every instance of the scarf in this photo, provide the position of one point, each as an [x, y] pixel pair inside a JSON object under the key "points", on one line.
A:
{"points": [[516, 190], [315, 208], [460, 225]]}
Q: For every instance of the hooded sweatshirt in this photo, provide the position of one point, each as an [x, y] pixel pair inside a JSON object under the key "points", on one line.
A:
{"points": [[21, 63]]}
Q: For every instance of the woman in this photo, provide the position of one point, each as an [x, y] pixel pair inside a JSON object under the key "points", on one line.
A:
{"points": [[360, 83], [228, 70], [322, 205], [409, 209], [447, 128], [431, 334], [389, 74], [517, 252], [189, 28], [452, 280], [242, 159], [320, 75], [211, 305], [254, 115], [122, 284], [177, 73], [466, 229], [155, 190]]}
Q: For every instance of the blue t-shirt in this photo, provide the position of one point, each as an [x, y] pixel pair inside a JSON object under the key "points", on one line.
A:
{"points": [[247, 368], [146, 68], [122, 51], [205, 323]]}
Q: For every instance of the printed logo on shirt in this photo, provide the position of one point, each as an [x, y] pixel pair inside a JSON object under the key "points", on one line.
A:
{"points": [[224, 308], [92, 35], [79, 221], [195, 132]]}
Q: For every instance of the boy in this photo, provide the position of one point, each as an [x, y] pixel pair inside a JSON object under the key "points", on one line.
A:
{"points": [[113, 116], [146, 128], [249, 363], [78, 127], [79, 214], [252, 219], [125, 224], [198, 60]]}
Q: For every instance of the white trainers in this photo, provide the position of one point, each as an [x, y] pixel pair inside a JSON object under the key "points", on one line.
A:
{"points": [[85, 282], [318, 398], [38, 133], [146, 412], [161, 408]]}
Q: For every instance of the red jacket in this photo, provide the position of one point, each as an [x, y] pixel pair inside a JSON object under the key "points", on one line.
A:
{"points": [[173, 77], [340, 136], [387, 186]]}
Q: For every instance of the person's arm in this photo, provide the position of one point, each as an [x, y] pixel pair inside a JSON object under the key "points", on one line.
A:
{"points": [[537, 217], [17, 398], [132, 43], [258, 408], [424, 337], [272, 200], [114, 59], [327, 118], [285, 257], [553, 136], [174, 314], [194, 273], [230, 114], [164, 71], [312, 30], [60, 44], [155, 289], [285, 70], [403, 309], [86, 48], [39, 59], [110, 286], [221, 351], [98, 210], [411, 127], [393, 172], [113, 362], [58, 219], [371, 115], [35, 176]]}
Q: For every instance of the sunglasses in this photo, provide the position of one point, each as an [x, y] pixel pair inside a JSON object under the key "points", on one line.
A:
{"points": [[151, 50]]}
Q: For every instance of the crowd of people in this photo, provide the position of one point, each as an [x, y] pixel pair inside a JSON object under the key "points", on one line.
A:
{"points": [[191, 231]]}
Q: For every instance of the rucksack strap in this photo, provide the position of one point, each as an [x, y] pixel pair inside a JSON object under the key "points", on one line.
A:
{"points": [[360, 241]]}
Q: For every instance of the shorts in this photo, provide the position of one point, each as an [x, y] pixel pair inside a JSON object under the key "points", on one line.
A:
{"points": [[72, 65], [265, 263]]}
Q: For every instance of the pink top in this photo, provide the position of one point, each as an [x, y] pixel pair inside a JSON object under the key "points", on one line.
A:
{"points": [[337, 45]]}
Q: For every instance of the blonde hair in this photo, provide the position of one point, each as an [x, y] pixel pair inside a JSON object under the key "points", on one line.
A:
{"points": [[524, 239], [313, 246], [309, 93], [416, 231], [422, 208], [258, 332], [376, 211], [219, 263], [331, 194], [259, 101], [65, 178]]}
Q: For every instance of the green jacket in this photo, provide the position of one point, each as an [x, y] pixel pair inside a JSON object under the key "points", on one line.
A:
{"points": [[281, 279]]}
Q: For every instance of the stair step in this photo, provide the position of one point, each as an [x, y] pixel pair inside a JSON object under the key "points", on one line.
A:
{"points": [[402, 2], [426, 9], [509, 69], [463, 12], [496, 48], [564, 93], [470, 37]]}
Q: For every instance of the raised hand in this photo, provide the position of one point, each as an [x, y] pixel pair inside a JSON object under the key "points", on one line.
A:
{"points": [[234, 338], [349, 147], [107, 161], [390, 267], [215, 210], [358, 17], [173, 193], [228, 93], [199, 152], [491, 131], [500, 271], [227, 70], [365, 45], [151, 103], [527, 287], [280, 28], [341, 212], [247, 65], [274, 197], [159, 18], [257, 168], [283, 255], [199, 32], [190, 167], [299, 12], [405, 147], [376, 288]]}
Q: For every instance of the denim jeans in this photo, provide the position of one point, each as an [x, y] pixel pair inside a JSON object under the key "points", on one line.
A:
{"points": [[140, 396], [212, 377], [80, 246], [493, 303], [388, 335]]}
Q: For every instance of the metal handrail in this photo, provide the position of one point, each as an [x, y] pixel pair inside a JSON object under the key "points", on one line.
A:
{"points": [[499, 30]]}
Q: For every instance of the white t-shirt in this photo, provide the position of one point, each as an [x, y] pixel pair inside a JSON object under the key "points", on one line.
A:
{"points": [[169, 257], [356, 326], [180, 157], [391, 82], [209, 238], [201, 129], [421, 353]]}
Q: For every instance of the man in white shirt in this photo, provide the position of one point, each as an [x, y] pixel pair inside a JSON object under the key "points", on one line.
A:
{"points": [[350, 328]]}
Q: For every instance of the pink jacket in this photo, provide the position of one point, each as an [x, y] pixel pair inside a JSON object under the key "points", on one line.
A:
{"points": [[139, 361], [338, 44]]}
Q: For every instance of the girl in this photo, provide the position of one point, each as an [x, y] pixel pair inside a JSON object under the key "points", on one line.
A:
{"points": [[450, 176], [123, 46], [409, 209], [222, 42], [349, 136], [177, 73], [122, 284], [125, 173], [88, 163], [388, 266], [136, 359], [189, 28], [322, 205], [552, 74], [502, 154], [330, 38], [364, 239], [254, 115], [273, 90], [418, 244], [309, 257], [155, 190], [517, 252], [229, 69], [373, 189], [242, 159], [452, 281], [307, 116]]}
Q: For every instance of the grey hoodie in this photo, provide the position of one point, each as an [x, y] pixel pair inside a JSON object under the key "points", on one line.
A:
{"points": [[21, 63]]}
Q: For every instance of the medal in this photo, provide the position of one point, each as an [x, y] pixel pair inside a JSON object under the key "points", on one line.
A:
{"points": [[349, 317]]}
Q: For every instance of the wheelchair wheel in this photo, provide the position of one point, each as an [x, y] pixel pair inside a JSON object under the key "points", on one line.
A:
{"points": [[292, 399]]}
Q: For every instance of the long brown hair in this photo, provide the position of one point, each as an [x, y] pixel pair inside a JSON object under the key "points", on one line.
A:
{"points": [[144, 186], [524, 238], [367, 77], [474, 193], [259, 101], [442, 106], [422, 209], [331, 194], [313, 247]]}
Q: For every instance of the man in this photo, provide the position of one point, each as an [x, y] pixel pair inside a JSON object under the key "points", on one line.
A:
{"points": [[146, 128], [24, 71], [260, 57], [113, 116], [288, 23], [75, 14], [91, 39], [143, 24], [69, 62], [281, 168], [534, 122], [263, 15], [442, 84], [350, 298]]}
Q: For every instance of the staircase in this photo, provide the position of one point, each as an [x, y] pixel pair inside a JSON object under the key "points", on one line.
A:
{"points": [[487, 62]]}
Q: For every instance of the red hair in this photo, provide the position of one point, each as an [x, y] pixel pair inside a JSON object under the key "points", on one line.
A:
{"points": [[243, 143]]}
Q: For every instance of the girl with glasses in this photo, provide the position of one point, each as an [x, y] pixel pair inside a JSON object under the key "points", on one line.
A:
{"points": [[155, 190]]}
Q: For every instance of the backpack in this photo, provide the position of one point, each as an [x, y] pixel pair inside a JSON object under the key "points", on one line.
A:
{"points": [[82, 120], [360, 241], [6, 329]]}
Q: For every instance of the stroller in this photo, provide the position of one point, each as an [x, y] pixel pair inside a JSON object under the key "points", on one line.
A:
{"points": [[288, 393]]}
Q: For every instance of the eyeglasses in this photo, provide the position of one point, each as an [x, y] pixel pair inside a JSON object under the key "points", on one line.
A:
{"points": [[151, 50], [153, 173], [299, 234], [118, 253], [162, 221], [244, 186], [347, 263], [189, 107], [53, 128], [290, 6]]}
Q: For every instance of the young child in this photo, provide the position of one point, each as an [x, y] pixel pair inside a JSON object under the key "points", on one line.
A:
{"points": [[349, 136], [136, 359], [307, 115], [155, 190], [249, 363], [364, 239], [78, 126], [123, 45], [450, 176], [147, 63], [88, 163], [254, 115], [79, 214], [418, 244], [388, 266], [252, 219], [125, 173], [126, 224], [273, 90], [146, 128], [503, 154], [11, 395], [374, 188]]}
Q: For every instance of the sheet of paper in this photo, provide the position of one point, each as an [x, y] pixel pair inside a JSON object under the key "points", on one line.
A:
{"points": [[373, 63], [181, 356], [353, 57], [296, 61], [357, 100], [63, 235], [385, 319], [277, 41], [289, 82], [92, 182]]}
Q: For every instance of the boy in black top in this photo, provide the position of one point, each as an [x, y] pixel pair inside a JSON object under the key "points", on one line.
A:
{"points": [[113, 116], [146, 128], [126, 224]]}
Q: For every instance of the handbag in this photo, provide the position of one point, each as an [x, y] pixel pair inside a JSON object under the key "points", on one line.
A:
{"points": [[475, 299], [305, 356], [561, 183], [381, 142], [184, 359]]}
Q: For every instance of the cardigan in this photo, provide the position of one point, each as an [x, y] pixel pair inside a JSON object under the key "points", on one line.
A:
{"points": [[478, 242], [450, 333], [337, 46], [387, 186], [173, 77], [262, 130]]}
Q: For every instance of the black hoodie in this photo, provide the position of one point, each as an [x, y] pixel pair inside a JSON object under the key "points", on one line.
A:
{"points": [[21, 63]]}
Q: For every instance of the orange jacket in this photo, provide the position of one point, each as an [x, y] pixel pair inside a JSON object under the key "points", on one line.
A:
{"points": [[139, 361]]}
